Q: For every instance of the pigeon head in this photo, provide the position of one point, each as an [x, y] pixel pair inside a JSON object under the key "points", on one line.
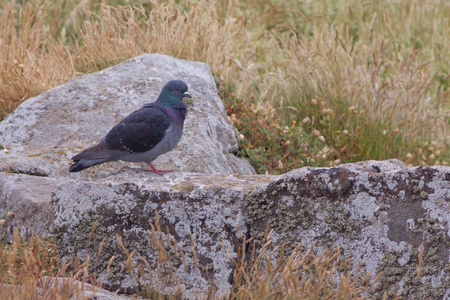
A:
{"points": [[173, 93]]}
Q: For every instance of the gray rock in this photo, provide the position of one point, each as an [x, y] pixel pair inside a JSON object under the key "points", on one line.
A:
{"points": [[28, 198], [44, 132], [205, 210], [83, 290], [378, 212], [80, 290]]}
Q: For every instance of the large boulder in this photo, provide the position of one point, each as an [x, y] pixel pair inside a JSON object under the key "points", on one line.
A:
{"points": [[44, 132], [27, 200], [203, 215], [379, 212]]}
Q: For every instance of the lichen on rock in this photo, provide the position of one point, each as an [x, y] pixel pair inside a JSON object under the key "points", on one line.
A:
{"points": [[379, 213]]}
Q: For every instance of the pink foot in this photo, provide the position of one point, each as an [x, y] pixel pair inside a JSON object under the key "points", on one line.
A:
{"points": [[159, 172]]}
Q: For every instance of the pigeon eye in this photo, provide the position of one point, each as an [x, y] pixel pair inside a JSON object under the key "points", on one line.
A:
{"points": [[178, 90]]}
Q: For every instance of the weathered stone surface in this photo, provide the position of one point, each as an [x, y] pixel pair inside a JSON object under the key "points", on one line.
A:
{"points": [[378, 212], [84, 290], [44, 132], [80, 290], [29, 200], [208, 209]]}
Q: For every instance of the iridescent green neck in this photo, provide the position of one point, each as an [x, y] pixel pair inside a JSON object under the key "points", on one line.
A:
{"points": [[166, 99]]}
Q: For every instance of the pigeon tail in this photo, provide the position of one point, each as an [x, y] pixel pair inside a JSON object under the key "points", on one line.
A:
{"points": [[86, 163]]}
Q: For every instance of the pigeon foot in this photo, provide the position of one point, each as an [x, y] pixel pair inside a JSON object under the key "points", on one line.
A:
{"points": [[159, 172]]}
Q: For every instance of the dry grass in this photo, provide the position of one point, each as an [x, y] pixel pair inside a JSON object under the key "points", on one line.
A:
{"points": [[373, 79], [28, 270], [96, 36], [384, 101], [361, 81], [298, 276], [30, 61]]}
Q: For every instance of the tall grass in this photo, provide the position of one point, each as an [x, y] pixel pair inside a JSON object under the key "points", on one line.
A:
{"points": [[370, 75], [29, 270], [307, 82], [94, 36], [370, 80], [298, 276], [26, 67]]}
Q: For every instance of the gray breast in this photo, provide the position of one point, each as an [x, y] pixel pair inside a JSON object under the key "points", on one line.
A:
{"points": [[168, 143]]}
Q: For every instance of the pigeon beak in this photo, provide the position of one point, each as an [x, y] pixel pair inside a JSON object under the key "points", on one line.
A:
{"points": [[187, 99]]}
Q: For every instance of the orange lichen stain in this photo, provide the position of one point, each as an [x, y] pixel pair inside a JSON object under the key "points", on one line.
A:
{"points": [[184, 187], [34, 155], [74, 148]]}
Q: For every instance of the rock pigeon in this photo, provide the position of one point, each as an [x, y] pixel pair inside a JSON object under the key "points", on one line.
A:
{"points": [[144, 134]]}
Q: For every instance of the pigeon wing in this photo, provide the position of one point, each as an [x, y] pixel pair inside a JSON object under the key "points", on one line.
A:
{"points": [[140, 131]]}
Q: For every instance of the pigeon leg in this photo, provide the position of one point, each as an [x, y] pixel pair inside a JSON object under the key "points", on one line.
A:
{"points": [[159, 172]]}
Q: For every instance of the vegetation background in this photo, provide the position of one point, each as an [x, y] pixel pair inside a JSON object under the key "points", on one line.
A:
{"points": [[315, 83], [305, 82]]}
